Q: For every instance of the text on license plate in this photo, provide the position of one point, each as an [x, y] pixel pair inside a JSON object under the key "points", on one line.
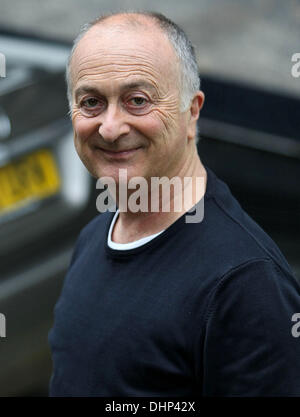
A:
{"points": [[32, 177]]}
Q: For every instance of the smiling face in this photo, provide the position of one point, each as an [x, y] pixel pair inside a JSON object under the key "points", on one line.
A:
{"points": [[126, 103]]}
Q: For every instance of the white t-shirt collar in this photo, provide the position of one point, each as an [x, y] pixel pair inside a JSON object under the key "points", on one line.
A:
{"points": [[130, 245]]}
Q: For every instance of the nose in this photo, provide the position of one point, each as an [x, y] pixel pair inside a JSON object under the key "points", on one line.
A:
{"points": [[112, 124]]}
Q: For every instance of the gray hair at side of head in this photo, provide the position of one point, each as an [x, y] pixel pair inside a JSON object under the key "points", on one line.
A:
{"points": [[190, 78]]}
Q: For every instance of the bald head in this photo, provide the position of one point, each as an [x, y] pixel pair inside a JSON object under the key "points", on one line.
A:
{"points": [[183, 65]]}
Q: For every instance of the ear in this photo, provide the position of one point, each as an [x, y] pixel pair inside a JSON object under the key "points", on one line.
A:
{"points": [[194, 112]]}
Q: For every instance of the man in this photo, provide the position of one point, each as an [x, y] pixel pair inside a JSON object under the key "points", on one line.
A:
{"points": [[154, 305]]}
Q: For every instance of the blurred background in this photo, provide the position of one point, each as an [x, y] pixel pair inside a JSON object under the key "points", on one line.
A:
{"points": [[250, 136]]}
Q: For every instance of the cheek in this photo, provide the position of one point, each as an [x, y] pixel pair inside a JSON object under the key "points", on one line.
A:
{"points": [[83, 128], [169, 117], [157, 126]]}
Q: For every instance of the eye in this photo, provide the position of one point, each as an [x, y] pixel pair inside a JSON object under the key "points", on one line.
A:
{"points": [[137, 104], [91, 106], [138, 101], [90, 102]]}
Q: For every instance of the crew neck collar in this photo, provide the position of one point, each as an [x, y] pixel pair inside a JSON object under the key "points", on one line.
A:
{"points": [[130, 245], [165, 234]]}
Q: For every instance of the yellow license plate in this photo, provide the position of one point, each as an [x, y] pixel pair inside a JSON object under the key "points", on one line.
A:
{"points": [[28, 179]]}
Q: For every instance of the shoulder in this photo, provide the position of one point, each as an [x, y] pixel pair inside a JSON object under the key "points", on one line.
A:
{"points": [[97, 224], [92, 234], [231, 235], [255, 279]]}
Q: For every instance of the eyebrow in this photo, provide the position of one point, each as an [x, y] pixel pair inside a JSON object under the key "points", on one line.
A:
{"points": [[127, 86]]}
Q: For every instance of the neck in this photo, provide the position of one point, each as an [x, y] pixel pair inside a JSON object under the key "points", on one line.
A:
{"points": [[191, 178]]}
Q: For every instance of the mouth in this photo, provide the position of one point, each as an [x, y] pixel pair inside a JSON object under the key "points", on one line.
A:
{"points": [[119, 154]]}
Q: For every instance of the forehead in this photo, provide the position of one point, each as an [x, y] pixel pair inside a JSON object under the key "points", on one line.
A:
{"points": [[116, 52]]}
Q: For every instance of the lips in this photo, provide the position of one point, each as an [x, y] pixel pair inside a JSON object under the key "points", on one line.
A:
{"points": [[120, 153]]}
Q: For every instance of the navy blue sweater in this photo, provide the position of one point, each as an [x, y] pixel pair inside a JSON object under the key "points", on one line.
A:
{"points": [[203, 309]]}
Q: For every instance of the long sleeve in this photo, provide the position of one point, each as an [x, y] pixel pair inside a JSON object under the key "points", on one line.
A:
{"points": [[249, 348]]}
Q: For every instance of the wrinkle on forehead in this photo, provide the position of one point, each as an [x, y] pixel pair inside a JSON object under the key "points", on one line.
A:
{"points": [[105, 53], [90, 70]]}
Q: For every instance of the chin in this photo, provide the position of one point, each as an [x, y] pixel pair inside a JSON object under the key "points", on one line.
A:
{"points": [[117, 173]]}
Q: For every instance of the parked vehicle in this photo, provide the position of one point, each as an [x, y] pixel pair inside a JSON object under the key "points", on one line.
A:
{"points": [[46, 196], [250, 138]]}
